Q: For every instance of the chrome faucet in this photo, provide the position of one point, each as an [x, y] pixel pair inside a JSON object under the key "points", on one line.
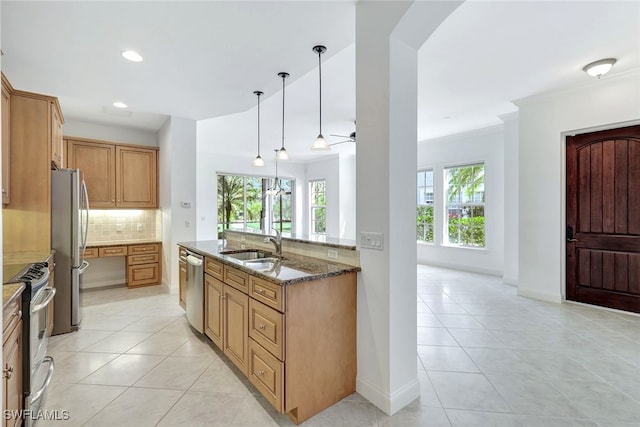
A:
{"points": [[277, 241]]}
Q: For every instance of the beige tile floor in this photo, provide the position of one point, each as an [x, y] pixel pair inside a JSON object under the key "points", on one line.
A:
{"points": [[485, 357]]}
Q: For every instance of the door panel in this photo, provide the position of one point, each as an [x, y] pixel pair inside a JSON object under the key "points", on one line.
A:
{"points": [[603, 193]]}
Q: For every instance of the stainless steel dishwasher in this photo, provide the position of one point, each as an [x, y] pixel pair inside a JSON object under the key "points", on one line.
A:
{"points": [[195, 290]]}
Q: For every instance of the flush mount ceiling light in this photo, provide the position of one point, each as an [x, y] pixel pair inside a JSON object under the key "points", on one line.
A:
{"points": [[119, 104], [599, 68], [320, 144], [258, 162], [132, 56], [282, 153]]}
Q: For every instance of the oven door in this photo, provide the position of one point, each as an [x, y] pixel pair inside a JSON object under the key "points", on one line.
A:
{"points": [[41, 365]]}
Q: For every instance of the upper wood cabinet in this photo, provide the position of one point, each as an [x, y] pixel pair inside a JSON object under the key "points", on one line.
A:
{"points": [[26, 218], [57, 157], [6, 133], [117, 175], [136, 177]]}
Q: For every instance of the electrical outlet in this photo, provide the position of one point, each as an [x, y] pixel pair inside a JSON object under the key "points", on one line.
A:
{"points": [[187, 224], [332, 253], [370, 240], [139, 227], [119, 227], [242, 246]]}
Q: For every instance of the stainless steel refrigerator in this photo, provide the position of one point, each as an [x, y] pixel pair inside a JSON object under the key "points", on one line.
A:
{"points": [[69, 226]]}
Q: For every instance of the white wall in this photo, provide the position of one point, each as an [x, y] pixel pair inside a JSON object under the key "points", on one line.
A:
{"points": [[544, 120], [178, 184], [511, 211], [347, 197], [211, 161], [483, 145], [109, 133]]}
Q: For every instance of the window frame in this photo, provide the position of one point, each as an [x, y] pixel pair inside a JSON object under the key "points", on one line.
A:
{"points": [[269, 213], [313, 207], [432, 205], [462, 205]]}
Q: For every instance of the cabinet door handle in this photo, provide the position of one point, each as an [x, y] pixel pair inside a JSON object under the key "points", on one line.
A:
{"points": [[260, 291], [8, 372], [261, 373], [261, 327]]}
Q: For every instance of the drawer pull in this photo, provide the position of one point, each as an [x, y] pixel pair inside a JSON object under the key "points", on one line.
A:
{"points": [[260, 291], [8, 372], [18, 314], [261, 373], [261, 327]]}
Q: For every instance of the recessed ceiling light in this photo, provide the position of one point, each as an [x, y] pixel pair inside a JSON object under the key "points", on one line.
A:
{"points": [[599, 68], [119, 104], [132, 56]]}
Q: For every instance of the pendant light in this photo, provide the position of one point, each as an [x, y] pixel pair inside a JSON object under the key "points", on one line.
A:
{"points": [[258, 162], [320, 144], [282, 153]]}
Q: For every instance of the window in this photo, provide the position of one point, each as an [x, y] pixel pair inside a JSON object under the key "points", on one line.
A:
{"points": [[318, 206], [465, 205], [245, 203], [424, 216]]}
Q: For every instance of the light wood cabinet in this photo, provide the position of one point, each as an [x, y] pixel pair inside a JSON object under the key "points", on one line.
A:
{"points": [[57, 142], [226, 320], [91, 253], [296, 343], [136, 177], [12, 362], [183, 276], [213, 319], [143, 265], [6, 140], [117, 175], [97, 163], [27, 218], [112, 251]]}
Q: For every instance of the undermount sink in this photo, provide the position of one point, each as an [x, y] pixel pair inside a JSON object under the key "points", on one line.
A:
{"points": [[249, 254], [262, 264]]}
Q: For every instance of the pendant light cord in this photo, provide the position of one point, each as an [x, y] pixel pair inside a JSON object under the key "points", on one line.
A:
{"points": [[258, 124], [320, 86], [284, 76]]}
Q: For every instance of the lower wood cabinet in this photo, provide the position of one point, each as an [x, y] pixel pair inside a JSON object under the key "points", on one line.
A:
{"points": [[295, 343], [226, 320], [12, 362], [143, 261]]}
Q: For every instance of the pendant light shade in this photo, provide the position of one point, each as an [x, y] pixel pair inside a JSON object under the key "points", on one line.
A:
{"points": [[282, 153], [320, 144], [258, 162]]}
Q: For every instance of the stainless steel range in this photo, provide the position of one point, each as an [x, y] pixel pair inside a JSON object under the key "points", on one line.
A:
{"points": [[36, 303]]}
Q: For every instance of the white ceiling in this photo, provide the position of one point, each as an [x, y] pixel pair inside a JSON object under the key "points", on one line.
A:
{"points": [[204, 60]]}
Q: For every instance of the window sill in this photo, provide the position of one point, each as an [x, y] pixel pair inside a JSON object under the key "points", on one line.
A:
{"points": [[468, 248]]}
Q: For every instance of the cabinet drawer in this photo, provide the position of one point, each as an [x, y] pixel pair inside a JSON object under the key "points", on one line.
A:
{"points": [[142, 259], [11, 316], [182, 254], [236, 278], [267, 374], [266, 327], [214, 268], [112, 251], [267, 293], [144, 249], [91, 253], [143, 275]]}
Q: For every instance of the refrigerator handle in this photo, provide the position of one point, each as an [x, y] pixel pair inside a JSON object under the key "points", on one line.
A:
{"points": [[85, 223]]}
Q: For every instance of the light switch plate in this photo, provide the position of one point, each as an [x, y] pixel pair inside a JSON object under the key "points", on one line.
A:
{"points": [[371, 240]]}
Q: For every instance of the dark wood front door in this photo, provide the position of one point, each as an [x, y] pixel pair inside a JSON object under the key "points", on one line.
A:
{"points": [[603, 218]]}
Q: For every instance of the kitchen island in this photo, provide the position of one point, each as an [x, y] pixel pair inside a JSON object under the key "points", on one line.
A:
{"points": [[288, 324]]}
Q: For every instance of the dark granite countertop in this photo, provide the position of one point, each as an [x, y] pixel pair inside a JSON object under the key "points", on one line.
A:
{"points": [[331, 242], [14, 262], [291, 269]]}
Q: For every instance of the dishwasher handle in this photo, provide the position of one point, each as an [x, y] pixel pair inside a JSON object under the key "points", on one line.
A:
{"points": [[193, 260]]}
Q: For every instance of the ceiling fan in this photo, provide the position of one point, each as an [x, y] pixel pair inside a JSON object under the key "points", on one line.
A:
{"points": [[350, 138]]}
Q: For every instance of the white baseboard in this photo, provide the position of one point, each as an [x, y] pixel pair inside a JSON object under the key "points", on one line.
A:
{"points": [[389, 403], [510, 280], [470, 269], [539, 295]]}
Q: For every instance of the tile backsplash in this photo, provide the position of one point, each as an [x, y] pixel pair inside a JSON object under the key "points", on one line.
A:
{"points": [[124, 225]]}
